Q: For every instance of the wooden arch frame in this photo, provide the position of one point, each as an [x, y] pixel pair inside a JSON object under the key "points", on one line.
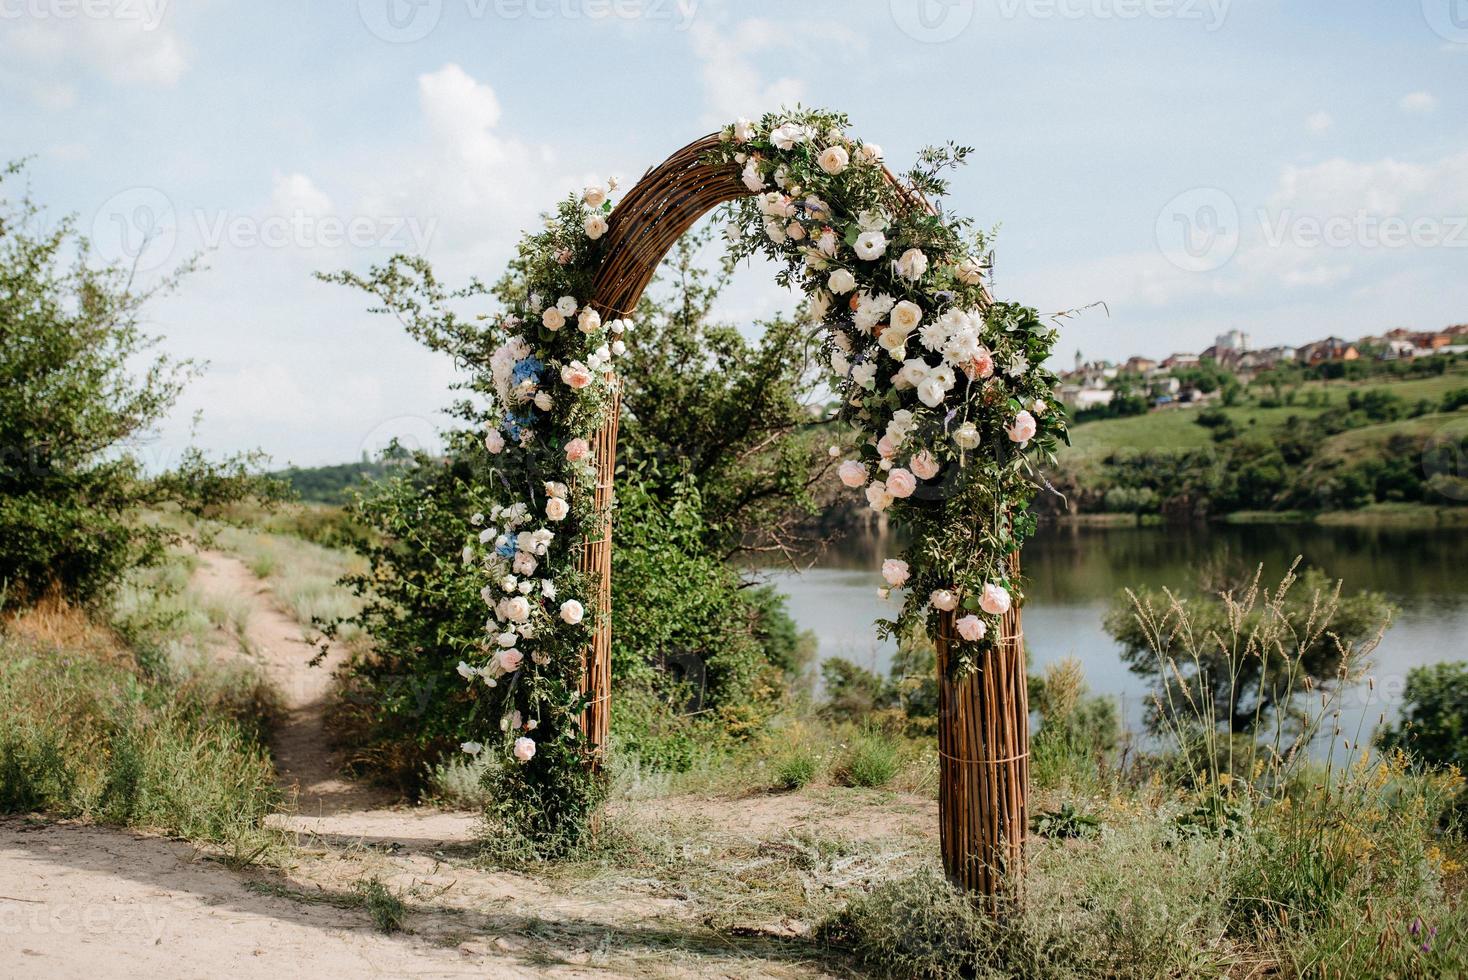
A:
{"points": [[983, 718]]}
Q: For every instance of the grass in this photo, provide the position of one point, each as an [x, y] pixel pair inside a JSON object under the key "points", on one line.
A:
{"points": [[871, 761], [89, 731], [385, 908], [304, 576]]}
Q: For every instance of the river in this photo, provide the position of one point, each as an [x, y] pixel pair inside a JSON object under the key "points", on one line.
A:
{"points": [[1074, 573]]}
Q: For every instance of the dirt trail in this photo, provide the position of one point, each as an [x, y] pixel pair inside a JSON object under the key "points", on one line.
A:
{"points": [[88, 901]]}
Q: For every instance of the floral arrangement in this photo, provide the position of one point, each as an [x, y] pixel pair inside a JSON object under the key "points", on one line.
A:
{"points": [[944, 387]]}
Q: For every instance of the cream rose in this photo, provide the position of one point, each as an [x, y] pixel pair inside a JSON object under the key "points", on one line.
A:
{"points": [[833, 159], [517, 609], [595, 226], [906, 315], [524, 749], [923, 465], [895, 572], [969, 272], [595, 195], [553, 318], [841, 281], [743, 130], [589, 321], [877, 496], [556, 509], [572, 612], [912, 264]]}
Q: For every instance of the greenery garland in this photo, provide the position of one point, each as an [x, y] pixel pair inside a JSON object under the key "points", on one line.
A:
{"points": [[945, 388]]}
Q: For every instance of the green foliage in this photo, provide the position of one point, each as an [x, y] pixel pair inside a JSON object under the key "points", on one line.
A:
{"points": [[387, 909], [1433, 726], [1066, 823], [80, 381], [333, 484], [871, 760], [85, 734], [1278, 644]]}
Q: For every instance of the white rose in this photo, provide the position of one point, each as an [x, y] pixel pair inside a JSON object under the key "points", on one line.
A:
{"points": [[870, 245], [930, 392], [553, 318], [543, 401], [572, 612], [966, 435], [833, 159], [595, 226], [841, 281], [775, 231], [869, 153], [852, 473], [906, 315], [524, 749], [471, 748], [595, 195], [567, 305], [556, 509], [743, 130], [785, 136], [589, 321], [877, 496], [517, 609], [912, 264], [943, 600], [871, 221], [751, 177], [894, 342], [865, 375]]}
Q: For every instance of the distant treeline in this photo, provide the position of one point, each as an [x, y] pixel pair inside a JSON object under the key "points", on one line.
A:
{"points": [[332, 484]]}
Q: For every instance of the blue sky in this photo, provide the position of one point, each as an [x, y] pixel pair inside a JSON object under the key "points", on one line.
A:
{"points": [[1194, 164]]}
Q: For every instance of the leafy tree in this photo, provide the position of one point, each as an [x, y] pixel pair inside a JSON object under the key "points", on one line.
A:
{"points": [[80, 383], [1433, 726]]}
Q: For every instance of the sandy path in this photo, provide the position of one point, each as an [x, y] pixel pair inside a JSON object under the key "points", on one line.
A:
{"points": [[80, 901]]}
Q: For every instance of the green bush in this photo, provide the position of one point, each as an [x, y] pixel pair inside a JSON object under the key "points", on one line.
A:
{"points": [[871, 760], [1434, 727], [797, 769]]}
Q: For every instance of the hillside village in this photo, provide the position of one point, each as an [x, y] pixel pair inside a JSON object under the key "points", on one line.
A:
{"points": [[1097, 387]]}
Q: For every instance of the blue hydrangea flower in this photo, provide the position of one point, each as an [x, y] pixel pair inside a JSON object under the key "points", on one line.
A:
{"points": [[526, 369]]}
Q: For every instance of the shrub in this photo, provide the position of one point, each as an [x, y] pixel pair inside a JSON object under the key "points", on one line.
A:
{"points": [[870, 761], [1433, 727], [797, 769]]}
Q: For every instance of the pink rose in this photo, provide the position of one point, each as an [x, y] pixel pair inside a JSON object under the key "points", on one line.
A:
{"points": [[901, 483], [895, 572], [524, 563], [995, 599], [494, 441], [577, 450], [943, 600], [924, 465], [971, 628], [1022, 430], [982, 365], [524, 749], [852, 473], [576, 374], [509, 660], [886, 448]]}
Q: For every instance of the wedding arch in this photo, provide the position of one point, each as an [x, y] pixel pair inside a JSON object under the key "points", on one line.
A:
{"points": [[943, 386]]}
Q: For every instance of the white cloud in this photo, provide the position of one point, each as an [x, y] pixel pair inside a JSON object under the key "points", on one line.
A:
{"points": [[1385, 187], [126, 42], [1319, 122], [296, 193], [1418, 103], [733, 84]]}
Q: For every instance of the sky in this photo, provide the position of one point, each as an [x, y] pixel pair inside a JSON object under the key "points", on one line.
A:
{"points": [[1193, 165]]}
